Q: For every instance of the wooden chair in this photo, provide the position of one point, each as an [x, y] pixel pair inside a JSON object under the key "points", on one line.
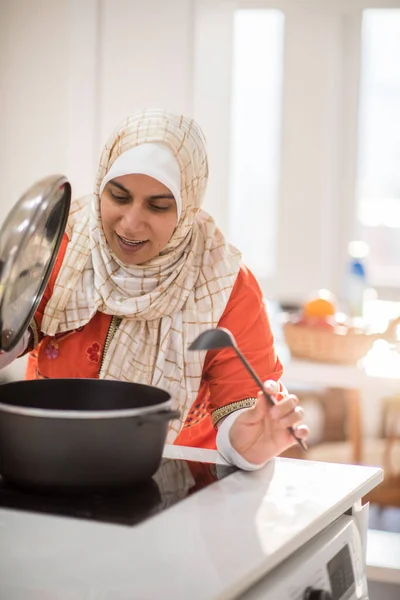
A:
{"points": [[388, 492]]}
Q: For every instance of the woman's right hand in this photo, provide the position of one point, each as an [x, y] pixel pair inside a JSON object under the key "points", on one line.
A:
{"points": [[261, 433]]}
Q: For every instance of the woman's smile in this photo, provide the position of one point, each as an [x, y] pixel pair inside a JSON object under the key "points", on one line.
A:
{"points": [[129, 245]]}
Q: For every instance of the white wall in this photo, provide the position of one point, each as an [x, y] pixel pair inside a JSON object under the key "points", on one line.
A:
{"points": [[145, 58], [33, 94], [71, 70]]}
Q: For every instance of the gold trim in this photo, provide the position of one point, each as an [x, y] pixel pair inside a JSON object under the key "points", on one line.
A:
{"points": [[224, 411], [35, 333], [114, 324]]}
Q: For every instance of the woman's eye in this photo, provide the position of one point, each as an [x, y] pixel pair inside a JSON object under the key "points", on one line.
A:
{"points": [[156, 207], [118, 197]]}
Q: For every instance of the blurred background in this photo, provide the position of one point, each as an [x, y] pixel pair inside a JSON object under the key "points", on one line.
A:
{"points": [[300, 104], [299, 101]]}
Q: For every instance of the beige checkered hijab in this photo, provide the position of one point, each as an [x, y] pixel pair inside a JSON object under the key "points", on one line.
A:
{"points": [[165, 303]]}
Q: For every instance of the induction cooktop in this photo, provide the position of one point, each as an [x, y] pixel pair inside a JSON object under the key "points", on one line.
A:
{"points": [[173, 482]]}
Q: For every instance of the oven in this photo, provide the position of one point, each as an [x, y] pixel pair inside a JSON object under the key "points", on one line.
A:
{"points": [[328, 567]]}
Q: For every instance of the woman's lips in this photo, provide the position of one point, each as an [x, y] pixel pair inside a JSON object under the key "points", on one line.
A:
{"points": [[130, 247]]}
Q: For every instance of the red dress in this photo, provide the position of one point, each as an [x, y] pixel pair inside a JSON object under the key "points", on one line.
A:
{"points": [[78, 354]]}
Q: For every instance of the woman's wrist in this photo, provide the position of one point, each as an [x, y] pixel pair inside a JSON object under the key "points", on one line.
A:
{"points": [[225, 447]]}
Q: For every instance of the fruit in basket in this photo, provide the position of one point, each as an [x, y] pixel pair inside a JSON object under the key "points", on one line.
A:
{"points": [[332, 337], [319, 312], [320, 306]]}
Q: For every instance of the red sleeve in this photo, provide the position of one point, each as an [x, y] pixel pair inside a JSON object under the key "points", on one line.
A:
{"points": [[246, 317]]}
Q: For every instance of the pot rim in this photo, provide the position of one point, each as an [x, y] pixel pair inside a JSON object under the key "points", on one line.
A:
{"points": [[48, 413]]}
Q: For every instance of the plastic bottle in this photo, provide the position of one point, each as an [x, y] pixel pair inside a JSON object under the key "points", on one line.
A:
{"points": [[357, 279]]}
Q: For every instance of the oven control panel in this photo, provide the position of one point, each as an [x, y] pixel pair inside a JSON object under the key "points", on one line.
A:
{"points": [[329, 567]]}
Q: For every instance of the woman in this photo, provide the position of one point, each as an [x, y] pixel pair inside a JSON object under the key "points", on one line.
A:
{"points": [[141, 272]]}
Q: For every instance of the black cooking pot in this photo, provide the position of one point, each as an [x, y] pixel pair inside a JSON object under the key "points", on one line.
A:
{"points": [[81, 434]]}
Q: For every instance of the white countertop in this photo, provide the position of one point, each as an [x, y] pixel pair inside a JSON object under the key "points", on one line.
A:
{"points": [[212, 545], [344, 376]]}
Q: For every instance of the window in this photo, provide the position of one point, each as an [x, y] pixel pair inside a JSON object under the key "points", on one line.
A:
{"points": [[296, 176], [378, 181], [258, 47]]}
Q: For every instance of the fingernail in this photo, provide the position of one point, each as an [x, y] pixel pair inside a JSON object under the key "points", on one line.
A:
{"points": [[272, 385]]}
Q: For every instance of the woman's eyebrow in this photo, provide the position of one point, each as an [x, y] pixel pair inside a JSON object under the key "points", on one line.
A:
{"points": [[120, 186]]}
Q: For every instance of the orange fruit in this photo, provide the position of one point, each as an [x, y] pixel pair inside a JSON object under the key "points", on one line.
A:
{"points": [[322, 305]]}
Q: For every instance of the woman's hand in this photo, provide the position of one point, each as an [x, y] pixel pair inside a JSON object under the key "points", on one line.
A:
{"points": [[261, 433]]}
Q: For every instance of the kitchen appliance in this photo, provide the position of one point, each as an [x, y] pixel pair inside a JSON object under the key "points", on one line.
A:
{"points": [[129, 506], [329, 567], [291, 531]]}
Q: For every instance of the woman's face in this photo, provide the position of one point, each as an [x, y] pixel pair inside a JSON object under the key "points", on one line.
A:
{"points": [[139, 216]]}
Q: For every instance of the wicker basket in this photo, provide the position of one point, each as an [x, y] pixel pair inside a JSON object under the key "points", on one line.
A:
{"points": [[325, 345]]}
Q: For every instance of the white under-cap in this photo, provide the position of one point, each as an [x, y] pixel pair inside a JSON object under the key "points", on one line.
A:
{"points": [[153, 159]]}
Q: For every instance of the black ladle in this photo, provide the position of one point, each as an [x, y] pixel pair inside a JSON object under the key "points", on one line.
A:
{"points": [[214, 339]]}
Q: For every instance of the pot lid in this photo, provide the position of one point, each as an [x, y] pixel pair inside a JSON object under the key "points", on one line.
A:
{"points": [[30, 238]]}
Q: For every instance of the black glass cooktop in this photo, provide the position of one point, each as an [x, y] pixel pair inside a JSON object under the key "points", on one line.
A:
{"points": [[174, 481]]}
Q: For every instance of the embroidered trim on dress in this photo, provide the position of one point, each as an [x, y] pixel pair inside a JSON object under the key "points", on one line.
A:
{"points": [[35, 333], [224, 411]]}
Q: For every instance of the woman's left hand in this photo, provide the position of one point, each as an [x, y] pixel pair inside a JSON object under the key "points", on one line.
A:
{"points": [[261, 433]]}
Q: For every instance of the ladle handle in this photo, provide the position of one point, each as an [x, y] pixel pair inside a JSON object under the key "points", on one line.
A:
{"points": [[267, 396]]}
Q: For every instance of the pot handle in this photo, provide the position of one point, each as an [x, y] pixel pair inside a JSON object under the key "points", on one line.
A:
{"points": [[161, 415]]}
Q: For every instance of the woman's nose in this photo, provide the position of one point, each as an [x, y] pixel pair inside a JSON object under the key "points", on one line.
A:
{"points": [[133, 218]]}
